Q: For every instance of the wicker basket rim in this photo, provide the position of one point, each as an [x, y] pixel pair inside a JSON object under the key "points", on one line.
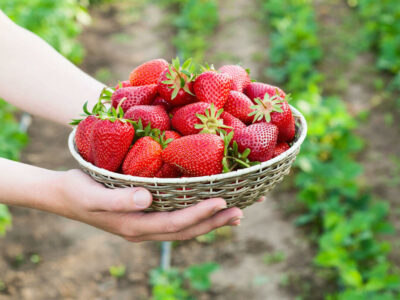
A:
{"points": [[185, 180]]}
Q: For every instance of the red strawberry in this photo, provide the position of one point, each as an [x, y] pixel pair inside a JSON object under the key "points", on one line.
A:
{"points": [[175, 84], [144, 158], [259, 89], [199, 117], [155, 115], [239, 105], [185, 118], [241, 78], [168, 171], [169, 134], [174, 110], [231, 121], [280, 148], [83, 137], [110, 143], [123, 84], [148, 72], [260, 138], [134, 95], [213, 87], [161, 101], [277, 111], [197, 154]]}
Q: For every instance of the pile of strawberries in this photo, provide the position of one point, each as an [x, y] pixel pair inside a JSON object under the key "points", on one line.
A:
{"points": [[167, 121]]}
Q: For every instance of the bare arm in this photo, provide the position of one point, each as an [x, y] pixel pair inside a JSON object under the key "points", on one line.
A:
{"points": [[39, 80]]}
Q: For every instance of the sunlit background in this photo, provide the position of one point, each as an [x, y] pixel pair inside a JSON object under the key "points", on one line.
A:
{"points": [[330, 231]]}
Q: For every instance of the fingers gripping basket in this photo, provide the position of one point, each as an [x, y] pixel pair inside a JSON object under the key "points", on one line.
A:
{"points": [[240, 188]]}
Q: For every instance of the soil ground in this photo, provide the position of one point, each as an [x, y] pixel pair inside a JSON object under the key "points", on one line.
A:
{"points": [[75, 258]]}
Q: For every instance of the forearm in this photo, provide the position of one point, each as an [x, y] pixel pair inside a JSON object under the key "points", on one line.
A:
{"points": [[37, 79], [28, 186]]}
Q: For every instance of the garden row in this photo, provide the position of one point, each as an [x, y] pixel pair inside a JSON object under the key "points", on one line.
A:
{"points": [[346, 221]]}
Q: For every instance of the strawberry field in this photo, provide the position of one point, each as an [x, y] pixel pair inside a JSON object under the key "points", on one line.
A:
{"points": [[331, 230]]}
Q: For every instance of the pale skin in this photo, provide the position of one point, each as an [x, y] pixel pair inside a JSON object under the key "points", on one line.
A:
{"points": [[37, 79]]}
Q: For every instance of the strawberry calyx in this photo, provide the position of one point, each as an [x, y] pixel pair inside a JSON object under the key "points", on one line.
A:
{"points": [[154, 133], [264, 107], [179, 76], [211, 121], [233, 158]]}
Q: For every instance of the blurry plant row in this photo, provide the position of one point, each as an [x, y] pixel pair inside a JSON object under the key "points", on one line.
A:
{"points": [[345, 220], [381, 32], [195, 21], [57, 22]]}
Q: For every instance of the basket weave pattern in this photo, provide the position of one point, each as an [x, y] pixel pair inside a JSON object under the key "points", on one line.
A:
{"points": [[239, 188]]}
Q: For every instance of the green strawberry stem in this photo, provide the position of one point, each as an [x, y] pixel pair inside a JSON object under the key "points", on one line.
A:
{"points": [[211, 122], [264, 107], [179, 76]]}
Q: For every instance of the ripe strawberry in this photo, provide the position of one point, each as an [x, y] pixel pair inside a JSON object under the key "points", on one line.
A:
{"points": [[169, 134], [175, 84], [134, 95], [241, 78], [277, 111], [174, 110], [83, 137], [231, 121], [239, 105], [156, 116], [144, 158], [168, 171], [197, 154], [198, 117], [148, 72], [280, 148], [213, 87], [161, 101], [110, 142], [259, 89], [260, 138], [123, 84]]}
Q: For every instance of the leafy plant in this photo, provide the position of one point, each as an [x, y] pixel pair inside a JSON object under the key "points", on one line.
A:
{"points": [[171, 284], [117, 271]]}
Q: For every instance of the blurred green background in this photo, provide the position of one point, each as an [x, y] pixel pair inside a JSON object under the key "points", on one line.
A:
{"points": [[340, 60]]}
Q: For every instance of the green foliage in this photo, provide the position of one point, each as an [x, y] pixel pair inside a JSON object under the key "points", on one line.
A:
{"points": [[5, 219], [57, 22], [381, 31], [346, 221], [171, 284], [294, 45], [275, 257], [117, 271], [195, 22]]}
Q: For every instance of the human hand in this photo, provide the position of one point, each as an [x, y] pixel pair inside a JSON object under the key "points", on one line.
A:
{"points": [[120, 211]]}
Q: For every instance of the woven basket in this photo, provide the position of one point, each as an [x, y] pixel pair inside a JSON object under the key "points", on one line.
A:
{"points": [[240, 188]]}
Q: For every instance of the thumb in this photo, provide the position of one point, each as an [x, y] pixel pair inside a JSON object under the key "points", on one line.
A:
{"points": [[121, 199]]}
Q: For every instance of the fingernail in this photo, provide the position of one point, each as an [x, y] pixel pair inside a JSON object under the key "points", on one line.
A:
{"points": [[235, 221], [219, 208], [141, 198]]}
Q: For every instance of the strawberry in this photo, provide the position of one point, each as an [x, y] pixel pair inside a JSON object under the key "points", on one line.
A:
{"points": [[134, 95], [175, 84], [259, 89], [174, 110], [239, 105], [143, 159], [231, 121], [148, 72], [196, 155], [83, 137], [169, 134], [280, 148], [110, 142], [168, 171], [197, 117], [240, 76], [122, 84], [213, 87], [161, 101], [156, 116], [260, 138], [277, 111]]}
